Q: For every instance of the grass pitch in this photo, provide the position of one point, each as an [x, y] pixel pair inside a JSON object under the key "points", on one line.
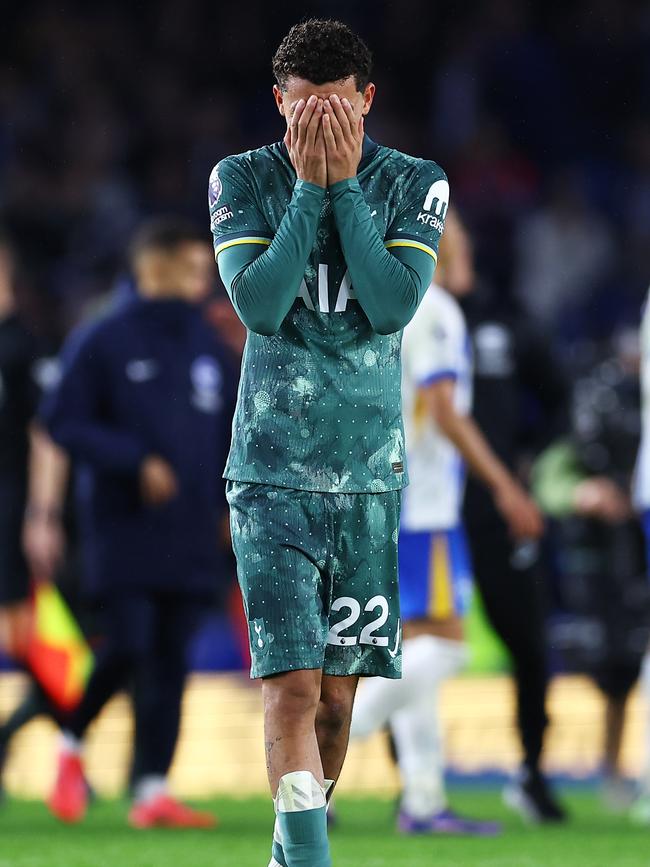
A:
{"points": [[365, 837]]}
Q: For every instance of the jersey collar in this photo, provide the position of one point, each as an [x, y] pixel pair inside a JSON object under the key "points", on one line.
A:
{"points": [[370, 148]]}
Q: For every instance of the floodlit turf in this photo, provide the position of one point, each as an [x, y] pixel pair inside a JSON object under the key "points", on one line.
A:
{"points": [[29, 837]]}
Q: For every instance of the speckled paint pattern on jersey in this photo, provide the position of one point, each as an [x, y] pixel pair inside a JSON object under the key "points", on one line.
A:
{"points": [[318, 573], [319, 405]]}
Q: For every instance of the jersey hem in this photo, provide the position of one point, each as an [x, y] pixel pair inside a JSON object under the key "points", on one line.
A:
{"points": [[438, 376], [427, 529], [295, 486]]}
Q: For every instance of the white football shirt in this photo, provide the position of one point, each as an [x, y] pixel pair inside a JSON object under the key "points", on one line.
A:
{"points": [[436, 346]]}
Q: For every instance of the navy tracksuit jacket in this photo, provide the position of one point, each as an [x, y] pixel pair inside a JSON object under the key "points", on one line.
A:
{"points": [[149, 378]]}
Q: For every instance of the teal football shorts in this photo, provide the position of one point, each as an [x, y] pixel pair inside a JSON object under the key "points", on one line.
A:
{"points": [[318, 574]]}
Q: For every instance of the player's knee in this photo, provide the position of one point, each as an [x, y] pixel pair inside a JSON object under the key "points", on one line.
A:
{"points": [[294, 695], [335, 710], [332, 718]]}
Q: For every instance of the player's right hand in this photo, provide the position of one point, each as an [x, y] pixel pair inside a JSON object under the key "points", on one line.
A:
{"points": [[305, 142], [519, 511], [158, 484]]}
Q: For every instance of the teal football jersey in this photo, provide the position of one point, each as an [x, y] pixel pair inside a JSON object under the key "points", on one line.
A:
{"points": [[319, 406]]}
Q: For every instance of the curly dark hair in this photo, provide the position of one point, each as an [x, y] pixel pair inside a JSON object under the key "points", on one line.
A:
{"points": [[321, 50]]}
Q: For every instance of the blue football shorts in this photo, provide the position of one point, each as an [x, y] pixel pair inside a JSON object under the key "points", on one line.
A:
{"points": [[435, 574]]}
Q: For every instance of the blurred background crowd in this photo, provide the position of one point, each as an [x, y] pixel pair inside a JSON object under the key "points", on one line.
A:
{"points": [[538, 111]]}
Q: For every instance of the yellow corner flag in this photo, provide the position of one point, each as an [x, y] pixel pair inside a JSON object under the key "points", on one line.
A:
{"points": [[58, 656]]}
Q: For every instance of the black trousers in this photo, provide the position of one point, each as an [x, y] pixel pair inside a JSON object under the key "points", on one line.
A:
{"points": [[509, 580], [14, 578], [144, 646]]}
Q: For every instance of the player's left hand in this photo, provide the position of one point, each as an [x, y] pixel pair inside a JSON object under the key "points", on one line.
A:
{"points": [[343, 133]]}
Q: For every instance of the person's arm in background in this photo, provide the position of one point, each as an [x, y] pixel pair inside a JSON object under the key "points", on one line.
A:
{"points": [[512, 501], [43, 532], [563, 488], [71, 413], [390, 275], [262, 272]]}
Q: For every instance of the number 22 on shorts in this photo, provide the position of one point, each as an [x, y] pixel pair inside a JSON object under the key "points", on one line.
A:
{"points": [[367, 635]]}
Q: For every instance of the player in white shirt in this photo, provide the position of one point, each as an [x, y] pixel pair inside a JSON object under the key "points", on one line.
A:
{"points": [[435, 572], [641, 810]]}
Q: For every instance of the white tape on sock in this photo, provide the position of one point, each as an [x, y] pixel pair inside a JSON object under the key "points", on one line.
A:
{"points": [[298, 791]]}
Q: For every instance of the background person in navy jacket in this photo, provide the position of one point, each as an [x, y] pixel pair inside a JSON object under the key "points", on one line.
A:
{"points": [[144, 409]]}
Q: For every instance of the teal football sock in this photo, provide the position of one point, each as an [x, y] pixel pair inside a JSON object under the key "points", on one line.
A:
{"points": [[302, 822], [277, 851], [304, 838]]}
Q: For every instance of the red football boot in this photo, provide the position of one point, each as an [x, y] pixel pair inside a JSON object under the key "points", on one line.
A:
{"points": [[69, 798], [163, 811]]}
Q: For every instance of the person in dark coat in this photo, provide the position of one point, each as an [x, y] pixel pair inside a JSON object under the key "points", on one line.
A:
{"points": [[144, 409]]}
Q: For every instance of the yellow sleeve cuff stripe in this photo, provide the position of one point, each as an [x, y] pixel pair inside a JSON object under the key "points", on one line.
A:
{"points": [[415, 244], [224, 246]]}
